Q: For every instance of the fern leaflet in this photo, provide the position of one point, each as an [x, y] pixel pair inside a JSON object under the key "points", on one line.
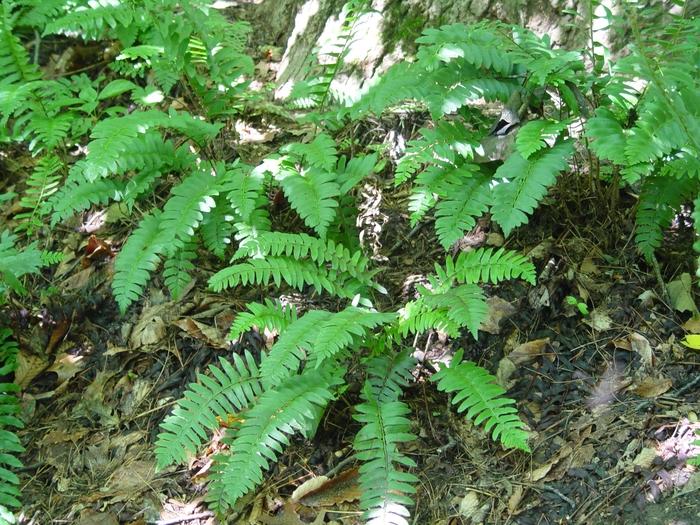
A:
{"points": [[482, 398]]}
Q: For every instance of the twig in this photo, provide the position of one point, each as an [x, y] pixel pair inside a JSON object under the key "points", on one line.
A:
{"points": [[174, 521], [562, 496]]}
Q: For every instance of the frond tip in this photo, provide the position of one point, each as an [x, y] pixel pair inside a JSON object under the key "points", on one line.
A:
{"points": [[483, 399]]}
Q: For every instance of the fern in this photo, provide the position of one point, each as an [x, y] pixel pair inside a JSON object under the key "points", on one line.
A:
{"points": [[15, 263], [464, 201], [385, 488], [10, 444], [185, 209], [43, 183], [139, 256], [91, 21], [312, 194], [229, 389], [79, 195], [271, 315], [486, 265], [178, 267], [464, 305], [482, 398], [529, 180], [290, 407]]}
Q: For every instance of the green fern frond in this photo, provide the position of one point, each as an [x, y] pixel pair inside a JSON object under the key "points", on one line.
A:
{"points": [[416, 318], [229, 389], [292, 406], [464, 305], [464, 202], [480, 395], [659, 201], [296, 274], [300, 246], [188, 203], [387, 375], [178, 267], [487, 265], [93, 20], [243, 190], [75, 196], [217, 227], [312, 194], [15, 263], [529, 180], [320, 152], [608, 137], [137, 259], [385, 488], [292, 347], [42, 183], [10, 445], [534, 136], [272, 315], [15, 65]]}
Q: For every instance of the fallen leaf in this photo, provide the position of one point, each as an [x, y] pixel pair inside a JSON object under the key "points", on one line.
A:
{"points": [[66, 366], [528, 351], [692, 341], [652, 386], [540, 472], [148, 331], [211, 335], [28, 367], [515, 499], [471, 510], [680, 293], [91, 517], [643, 460], [641, 345], [322, 491], [599, 320], [499, 309]]}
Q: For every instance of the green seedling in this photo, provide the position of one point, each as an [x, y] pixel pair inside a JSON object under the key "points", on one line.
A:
{"points": [[582, 307]]}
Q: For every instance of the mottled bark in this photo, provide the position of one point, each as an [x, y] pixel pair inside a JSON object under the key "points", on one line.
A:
{"points": [[297, 25]]}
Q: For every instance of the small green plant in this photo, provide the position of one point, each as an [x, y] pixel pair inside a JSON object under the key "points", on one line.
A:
{"points": [[580, 305]]}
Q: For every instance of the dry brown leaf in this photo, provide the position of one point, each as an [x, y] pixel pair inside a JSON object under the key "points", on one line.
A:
{"points": [[28, 367], [652, 386], [91, 517], [515, 499], [641, 345], [526, 352], [66, 366], [599, 320], [540, 472], [344, 487], [499, 309], [211, 335]]}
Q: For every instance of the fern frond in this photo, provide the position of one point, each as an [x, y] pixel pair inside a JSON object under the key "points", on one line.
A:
{"points": [[217, 227], [465, 305], [300, 246], [292, 406], [15, 263], [10, 445], [608, 137], [75, 196], [229, 389], [659, 201], [320, 152], [42, 183], [137, 259], [292, 347], [93, 20], [15, 65], [296, 274], [416, 318], [487, 265], [385, 488], [536, 134], [185, 209], [178, 267], [479, 394], [312, 193], [529, 180], [243, 189], [272, 315], [388, 374], [464, 202]]}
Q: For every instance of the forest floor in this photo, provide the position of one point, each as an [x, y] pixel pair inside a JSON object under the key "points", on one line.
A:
{"points": [[611, 396]]}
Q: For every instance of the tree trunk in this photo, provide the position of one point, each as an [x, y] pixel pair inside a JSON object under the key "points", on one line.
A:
{"points": [[389, 32]]}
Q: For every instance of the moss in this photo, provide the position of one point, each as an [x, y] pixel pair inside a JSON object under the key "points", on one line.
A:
{"points": [[403, 27]]}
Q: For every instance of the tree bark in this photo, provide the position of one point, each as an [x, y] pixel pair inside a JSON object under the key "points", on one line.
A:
{"points": [[298, 25]]}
